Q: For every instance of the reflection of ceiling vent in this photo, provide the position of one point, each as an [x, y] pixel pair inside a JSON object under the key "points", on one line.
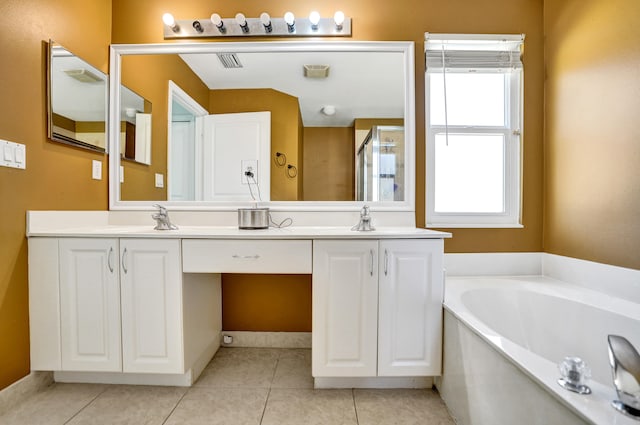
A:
{"points": [[316, 71], [229, 60], [83, 75]]}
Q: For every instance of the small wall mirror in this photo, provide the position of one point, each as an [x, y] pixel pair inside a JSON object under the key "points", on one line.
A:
{"points": [[77, 100]]}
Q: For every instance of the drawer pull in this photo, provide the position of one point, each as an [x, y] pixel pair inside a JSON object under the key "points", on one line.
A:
{"points": [[246, 257]]}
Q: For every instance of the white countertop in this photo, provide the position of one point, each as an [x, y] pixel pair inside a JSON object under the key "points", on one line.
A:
{"points": [[232, 232]]}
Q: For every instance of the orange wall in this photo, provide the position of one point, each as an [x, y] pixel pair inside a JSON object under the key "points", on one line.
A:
{"points": [[57, 176], [329, 166], [592, 143], [153, 85]]}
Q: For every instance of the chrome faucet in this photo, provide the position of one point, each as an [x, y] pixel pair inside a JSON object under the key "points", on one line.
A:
{"points": [[364, 225], [625, 365], [162, 219]]}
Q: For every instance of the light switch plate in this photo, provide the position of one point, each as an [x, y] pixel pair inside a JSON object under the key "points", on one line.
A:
{"points": [[13, 155], [96, 170], [159, 180]]}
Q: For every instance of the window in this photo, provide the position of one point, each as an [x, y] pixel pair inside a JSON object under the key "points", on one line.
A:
{"points": [[473, 89]]}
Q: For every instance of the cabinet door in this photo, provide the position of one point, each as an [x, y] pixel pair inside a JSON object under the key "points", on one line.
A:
{"points": [[410, 308], [151, 285], [345, 301], [89, 305]]}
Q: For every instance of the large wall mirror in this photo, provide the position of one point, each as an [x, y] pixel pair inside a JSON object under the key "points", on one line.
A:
{"points": [[77, 100], [296, 115]]}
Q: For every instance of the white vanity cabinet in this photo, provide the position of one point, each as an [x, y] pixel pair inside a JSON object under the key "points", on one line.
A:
{"points": [[120, 305], [377, 307]]}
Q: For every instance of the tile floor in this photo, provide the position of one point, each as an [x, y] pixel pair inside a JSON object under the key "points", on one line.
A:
{"points": [[249, 386]]}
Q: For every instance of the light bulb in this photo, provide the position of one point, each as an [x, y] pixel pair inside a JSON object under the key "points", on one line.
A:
{"points": [[290, 20], [217, 20], [338, 18], [168, 19], [314, 18], [266, 21], [241, 20]]}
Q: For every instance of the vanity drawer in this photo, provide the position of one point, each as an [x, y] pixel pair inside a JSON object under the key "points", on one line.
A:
{"points": [[246, 256]]}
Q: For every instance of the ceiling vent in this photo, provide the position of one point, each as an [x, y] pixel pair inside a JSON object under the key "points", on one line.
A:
{"points": [[83, 75], [316, 71], [229, 60]]}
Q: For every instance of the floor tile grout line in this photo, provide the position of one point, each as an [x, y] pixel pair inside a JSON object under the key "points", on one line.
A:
{"points": [[355, 406], [264, 409], [87, 405], [176, 406]]}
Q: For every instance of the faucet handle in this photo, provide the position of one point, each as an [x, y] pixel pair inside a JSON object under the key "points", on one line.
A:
{"points": [[161, 210]]}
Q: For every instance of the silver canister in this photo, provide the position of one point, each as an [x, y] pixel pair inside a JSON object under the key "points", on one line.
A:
{"points": [[253, 218]]}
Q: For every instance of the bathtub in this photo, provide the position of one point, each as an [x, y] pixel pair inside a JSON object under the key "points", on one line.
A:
{"points": [[504, 337]]}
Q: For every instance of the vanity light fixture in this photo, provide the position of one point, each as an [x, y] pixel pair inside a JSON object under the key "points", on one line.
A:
{"points": [[242, 22], [241, 26], [266, 22]]}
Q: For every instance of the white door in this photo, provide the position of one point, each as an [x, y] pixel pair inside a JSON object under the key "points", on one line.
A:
{"points": [[151, 283], [345, 302], [89, 305], [233, 142], [410, 308], [182, 178]]}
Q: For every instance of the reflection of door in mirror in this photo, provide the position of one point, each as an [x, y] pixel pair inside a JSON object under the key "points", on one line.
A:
{"points": [[135, 126], [77, 100], [380, 165]]}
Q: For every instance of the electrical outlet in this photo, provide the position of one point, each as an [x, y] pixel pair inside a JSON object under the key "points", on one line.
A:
{"points": [[248, 165], [159, 180]]}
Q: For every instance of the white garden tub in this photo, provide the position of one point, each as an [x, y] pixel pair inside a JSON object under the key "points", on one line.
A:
{"points": [[504, 337]]}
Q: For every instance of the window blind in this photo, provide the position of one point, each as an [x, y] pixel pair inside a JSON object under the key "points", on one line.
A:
{"points": [[473, 51]]}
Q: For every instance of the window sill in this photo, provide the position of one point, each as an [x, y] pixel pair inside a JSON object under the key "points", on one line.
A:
{"points": [[475, 226]]}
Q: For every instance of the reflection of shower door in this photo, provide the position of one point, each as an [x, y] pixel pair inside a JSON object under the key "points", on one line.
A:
{"points": [[231, 141], [380, 165]]}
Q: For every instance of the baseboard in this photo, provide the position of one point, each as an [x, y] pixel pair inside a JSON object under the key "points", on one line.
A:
{"points": [[32, 383], [268, 339], [375, 382]]}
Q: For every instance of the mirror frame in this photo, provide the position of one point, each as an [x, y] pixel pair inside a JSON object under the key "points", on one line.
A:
{"points": [[115, 69], [60, 138]]}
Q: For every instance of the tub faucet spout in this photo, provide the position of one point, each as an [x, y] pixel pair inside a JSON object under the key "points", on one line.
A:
{"points": [[625, 365]]}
